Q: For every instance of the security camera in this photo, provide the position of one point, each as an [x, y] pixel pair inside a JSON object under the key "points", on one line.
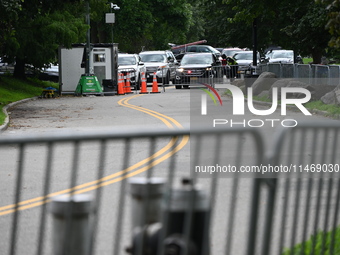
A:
{"points": [[115, 7]]}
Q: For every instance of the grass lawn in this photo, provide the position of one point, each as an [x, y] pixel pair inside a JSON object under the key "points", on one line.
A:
{"points": [[307, 60], [12, 90], [332, 110]]}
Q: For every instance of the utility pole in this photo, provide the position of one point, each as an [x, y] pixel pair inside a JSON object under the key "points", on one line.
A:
{"points": [[255, 42], [88, 40], [88, 83]]}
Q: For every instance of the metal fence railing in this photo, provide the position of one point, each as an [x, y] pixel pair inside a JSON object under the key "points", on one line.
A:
{"points": [[313, 74], [304, 203], [66, 191], [39, 173], [184, 78]]}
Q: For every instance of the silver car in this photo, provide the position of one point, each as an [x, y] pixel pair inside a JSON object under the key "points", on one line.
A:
{"points": [[131, 64], [163, 63], [281, 56]]}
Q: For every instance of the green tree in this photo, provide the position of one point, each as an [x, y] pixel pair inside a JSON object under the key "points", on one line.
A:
{"points": [[9, 10], [297, 25], [39, 27], [148, 24], [333, 21], [304, 29]]}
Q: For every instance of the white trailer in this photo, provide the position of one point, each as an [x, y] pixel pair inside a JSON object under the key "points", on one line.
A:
{"points": [[103, 64]]}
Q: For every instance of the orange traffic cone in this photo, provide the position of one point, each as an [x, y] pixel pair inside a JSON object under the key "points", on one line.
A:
{"points": [[120, 90], [143, 89], [128, 84], [154, 84]]}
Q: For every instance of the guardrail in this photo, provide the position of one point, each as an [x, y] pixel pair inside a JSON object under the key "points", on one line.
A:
{"points": [[313, 74], [47, 182]]}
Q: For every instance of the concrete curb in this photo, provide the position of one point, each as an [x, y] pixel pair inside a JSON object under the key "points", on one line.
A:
{"points": [[8, 107]]}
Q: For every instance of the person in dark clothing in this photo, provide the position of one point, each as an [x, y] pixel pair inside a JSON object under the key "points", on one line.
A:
{"points": [[224, 64]]}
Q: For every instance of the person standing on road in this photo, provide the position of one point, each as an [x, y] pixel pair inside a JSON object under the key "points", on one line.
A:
{"points": [[224, 64], [233, 67]]}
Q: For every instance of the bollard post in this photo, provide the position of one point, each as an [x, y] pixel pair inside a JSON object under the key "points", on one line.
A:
{"points": [[71, 224], [146, 194], [179, 225], [187, 225]]}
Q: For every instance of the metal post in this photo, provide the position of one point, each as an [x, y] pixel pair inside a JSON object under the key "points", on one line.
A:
{"points": [[87, 63], [146, 194], [71, 224], [187, 220], [255, 42]]}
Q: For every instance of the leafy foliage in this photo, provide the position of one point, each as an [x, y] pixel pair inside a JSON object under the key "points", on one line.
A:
{"points": [[333, 24], [32, 30], [297, 25], [145, 24], [321, 243], [38, 28]]}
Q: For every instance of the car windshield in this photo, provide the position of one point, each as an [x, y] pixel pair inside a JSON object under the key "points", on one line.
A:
{"points": [[244, 56], [282, 54], [125, 61], [197, 59], [153, 58]]}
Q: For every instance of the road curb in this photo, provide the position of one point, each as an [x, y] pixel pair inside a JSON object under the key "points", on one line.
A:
{"points": [[4, 126]]}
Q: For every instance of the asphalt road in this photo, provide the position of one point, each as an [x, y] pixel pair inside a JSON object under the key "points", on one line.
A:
{"points": [[48, 116]]}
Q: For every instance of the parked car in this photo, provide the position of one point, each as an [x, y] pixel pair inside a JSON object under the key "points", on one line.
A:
{"points": [[219, 49], [230, 52], [163, 63], [198, 67], [3, 62], [49, 73], [244, 60], [132, 64], [280, 56], [203, 48]]}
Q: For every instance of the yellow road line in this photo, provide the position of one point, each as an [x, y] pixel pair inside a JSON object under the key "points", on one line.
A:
{"points": [[164, 118], [116, 177], [82, 186]]}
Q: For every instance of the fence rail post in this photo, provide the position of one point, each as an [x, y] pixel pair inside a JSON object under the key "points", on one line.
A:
{"points": [[146, 193], [71, 224]]}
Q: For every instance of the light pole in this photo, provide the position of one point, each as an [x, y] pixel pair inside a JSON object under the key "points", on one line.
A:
{"points": [[88, 82], [87, 64], [110, 17]]}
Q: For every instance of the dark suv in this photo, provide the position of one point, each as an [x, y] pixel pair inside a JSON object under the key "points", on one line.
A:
{"points": [[198, 68], [180, 52]]}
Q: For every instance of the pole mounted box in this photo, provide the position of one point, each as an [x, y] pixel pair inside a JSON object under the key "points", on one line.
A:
{"points": [[110, 18]]}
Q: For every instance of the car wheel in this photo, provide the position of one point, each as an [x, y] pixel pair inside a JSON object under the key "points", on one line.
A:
{"points": [[178, 86]]}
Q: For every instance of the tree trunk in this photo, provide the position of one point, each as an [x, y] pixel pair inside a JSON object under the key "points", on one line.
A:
{"points": [[19, 69], [317, 55]]}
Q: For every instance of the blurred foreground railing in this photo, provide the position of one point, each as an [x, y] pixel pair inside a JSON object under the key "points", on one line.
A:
{"points": [[78, 192]]}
